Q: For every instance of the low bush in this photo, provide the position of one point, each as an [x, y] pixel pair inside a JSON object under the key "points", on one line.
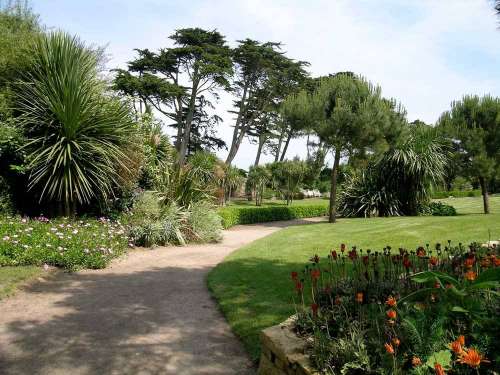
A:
{"points": [[402, 312], [456, 194], [439, 209], [88, 243], [153, 223], [250, 215]]}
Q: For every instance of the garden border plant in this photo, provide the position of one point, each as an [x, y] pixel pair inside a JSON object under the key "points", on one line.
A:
{"points": [[249, 215], [420, 312]]}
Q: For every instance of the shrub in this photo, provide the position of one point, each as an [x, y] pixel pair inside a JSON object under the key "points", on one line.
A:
{"points": [[205, 223], [250, 215], [63, 243], [153, 223], [438, 209], [402, 312]]}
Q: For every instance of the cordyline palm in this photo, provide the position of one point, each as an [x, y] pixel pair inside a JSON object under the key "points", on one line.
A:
{"points": [[77, 133], [411, 168]]}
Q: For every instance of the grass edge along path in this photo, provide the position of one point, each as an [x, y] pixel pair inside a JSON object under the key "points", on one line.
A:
{"points": [[13, 277]]}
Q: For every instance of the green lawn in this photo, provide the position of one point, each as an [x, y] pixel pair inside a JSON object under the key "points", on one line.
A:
{"points": [[253, 284], [269, 202], [12, 277]]}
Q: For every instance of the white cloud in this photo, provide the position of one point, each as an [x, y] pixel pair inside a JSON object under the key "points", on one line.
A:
{"points": [[425, 53]]}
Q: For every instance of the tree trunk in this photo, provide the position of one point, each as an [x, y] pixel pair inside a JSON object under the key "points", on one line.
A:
{"points": [[262, 140], [278, 147], [333, 190], [286, 146], [189, 119], [238, 132], [484, 191]]}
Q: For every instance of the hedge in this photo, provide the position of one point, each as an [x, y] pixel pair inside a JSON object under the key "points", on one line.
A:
{"points": [[250, 215], [456, 194]]}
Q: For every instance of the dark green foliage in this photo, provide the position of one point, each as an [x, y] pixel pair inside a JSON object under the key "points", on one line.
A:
{"points": [[375, 311], [398, 182], [473, 125], [439, 209], [248, 215], [77, 134]]}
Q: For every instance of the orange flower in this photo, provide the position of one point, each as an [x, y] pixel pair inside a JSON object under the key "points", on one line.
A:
{"points": [[396, 341], [420, 252], [389, 348], [439, 369], [496, 261], [416, 361], [469, 262], [433, 261], [359, 297], [456, 347], [471, 358], [391, 314], [470, 275], [461, 340], [391, 301]]}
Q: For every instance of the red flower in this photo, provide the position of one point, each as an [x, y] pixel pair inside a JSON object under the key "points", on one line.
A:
{"points": [[420, 252], [416, 361], [470, 275], [439, 370], [315, 274], [433, 261], [299, 286], [391, 301], [359, 297], [314, 309], [353, 254], [295, 275], [391, 314], [342, 247], [437, 285], [389, 348], [334, 254], [406, 262], [469, 262], [366, 260]]}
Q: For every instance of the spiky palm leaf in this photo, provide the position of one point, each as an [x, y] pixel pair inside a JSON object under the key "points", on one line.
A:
{"points": [[77, 132]]}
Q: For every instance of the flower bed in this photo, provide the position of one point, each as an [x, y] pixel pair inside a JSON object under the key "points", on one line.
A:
{"points": [[402, 312], [69, 244]]}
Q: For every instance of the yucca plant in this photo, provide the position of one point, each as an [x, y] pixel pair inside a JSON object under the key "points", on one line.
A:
{"points": [[413, 167], [77, 133]]}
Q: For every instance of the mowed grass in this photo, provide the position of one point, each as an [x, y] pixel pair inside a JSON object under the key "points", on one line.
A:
{"points": [[270, 202], [253, 284], [12, 277]]}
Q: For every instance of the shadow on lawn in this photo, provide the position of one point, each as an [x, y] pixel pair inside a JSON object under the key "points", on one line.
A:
{"points": [[143, 322], [254, 294]]}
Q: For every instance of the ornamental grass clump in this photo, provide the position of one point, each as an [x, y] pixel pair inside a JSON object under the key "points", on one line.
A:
{"points": [[425, 311]]}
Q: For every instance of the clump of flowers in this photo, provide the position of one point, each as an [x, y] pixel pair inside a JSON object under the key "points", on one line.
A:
{"points": [[402, 312], [70, 244]]}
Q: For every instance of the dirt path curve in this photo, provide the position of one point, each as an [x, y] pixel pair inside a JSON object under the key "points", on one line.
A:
{"points": [[148, 313]]}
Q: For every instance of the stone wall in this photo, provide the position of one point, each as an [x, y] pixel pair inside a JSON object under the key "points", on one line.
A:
{"points": [[283, 352]]}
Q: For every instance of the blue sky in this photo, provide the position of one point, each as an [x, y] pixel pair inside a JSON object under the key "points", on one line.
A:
{"points": [[425, 53]]}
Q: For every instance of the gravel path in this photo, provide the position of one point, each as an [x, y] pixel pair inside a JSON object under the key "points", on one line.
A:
{"points": [[148, 313]]}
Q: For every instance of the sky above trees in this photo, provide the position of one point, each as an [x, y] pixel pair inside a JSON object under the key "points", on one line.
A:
{"points": [[424, 53]]}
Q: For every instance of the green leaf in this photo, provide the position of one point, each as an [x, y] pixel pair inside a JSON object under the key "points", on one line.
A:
{"points": [[459, 309], [442, 357]]}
